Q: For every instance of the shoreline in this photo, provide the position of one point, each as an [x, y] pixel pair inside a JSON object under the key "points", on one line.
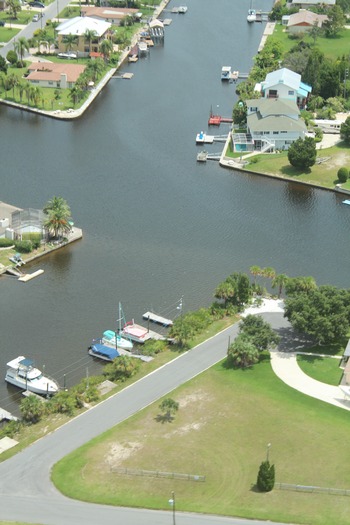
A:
{"points": [[77, 113]]}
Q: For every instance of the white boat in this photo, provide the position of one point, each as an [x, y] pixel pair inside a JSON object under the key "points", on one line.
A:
{"points": [[22, 373], [116, 340], [182, 9], [251, 13], [226, 73]]}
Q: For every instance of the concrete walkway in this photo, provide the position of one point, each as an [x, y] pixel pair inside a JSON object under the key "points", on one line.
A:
{"points": [[285, 366]]}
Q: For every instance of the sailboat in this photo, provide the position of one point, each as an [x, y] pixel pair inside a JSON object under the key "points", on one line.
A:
{"points": [[114, 338], [251, 13]]}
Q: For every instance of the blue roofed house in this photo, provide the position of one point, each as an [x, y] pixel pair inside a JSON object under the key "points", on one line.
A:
{"points": [[274, 121]]}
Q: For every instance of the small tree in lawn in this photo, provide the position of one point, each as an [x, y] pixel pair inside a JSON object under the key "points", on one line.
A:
{"points": [[343, 174], [169, 407], [266, 477], [242, 353], [345, 131], [302, 153]]}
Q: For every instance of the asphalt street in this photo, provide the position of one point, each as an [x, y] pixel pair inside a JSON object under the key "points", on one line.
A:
{"points": [[26, 491]]}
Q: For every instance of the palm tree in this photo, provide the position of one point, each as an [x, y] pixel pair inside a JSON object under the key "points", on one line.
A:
{"points": [[90, 35], [70, 41], [12, 82], [94, 68], [268, 272], [58, 216], [279, 281], [21, 46], [255, 270], [106, 48], [21, 86]]}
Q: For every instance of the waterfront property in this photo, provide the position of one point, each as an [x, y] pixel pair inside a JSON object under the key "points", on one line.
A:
{"points": [[111, 14], [303, 4], [78, 27], [15, 222], [273, 121], [49, 74], [304, 21]]}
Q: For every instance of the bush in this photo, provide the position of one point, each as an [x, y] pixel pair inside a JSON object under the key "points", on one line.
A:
{"points": [[343, 174], [4, 243], [24, 246], [12, 57], [35, 239], [153, 347], [266, 477]]}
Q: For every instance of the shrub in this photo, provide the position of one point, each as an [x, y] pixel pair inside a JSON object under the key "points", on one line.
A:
{"points": [[153, 347], [12, 57], [5, 242], [24, 246], [35, 239], [266, 477], [343, 174]]}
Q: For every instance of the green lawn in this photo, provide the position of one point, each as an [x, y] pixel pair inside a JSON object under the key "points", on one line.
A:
{"points": [[225, 420], [333, 48], [324, 369], [6, 33], [323, 174]]}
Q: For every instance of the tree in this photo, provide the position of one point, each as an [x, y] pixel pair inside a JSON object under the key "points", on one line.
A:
{"points": [[323, 313], [315, 32], [335, 22], [242, 353], [14, 7], [239, 113], [106, 48], [94, 68], [302, 153], [3, 65], [268, 272], [255, 271], [21, 46], [121, 368], [89, 36], [32, 409], [12, 57], [266, 477], [58, 216], [63, 403], [260, 332], [295, 285], [345, 130], [70, 41], [343, 174], [279, 281], [169, 407]]}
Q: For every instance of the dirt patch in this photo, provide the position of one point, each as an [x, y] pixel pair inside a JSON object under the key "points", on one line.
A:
{"points": [[119, 452], [184, 429], [196, 397]]}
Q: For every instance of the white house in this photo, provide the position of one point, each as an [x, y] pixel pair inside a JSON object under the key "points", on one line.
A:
{"points": [[286, 84], [78, 27]]}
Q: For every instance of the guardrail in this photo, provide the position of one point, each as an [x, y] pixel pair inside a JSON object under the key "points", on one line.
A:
{"points": [[312, 488]]}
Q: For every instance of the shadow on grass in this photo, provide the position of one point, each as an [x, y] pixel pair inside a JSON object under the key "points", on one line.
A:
{"points": [[164, 418], [291, 171]]}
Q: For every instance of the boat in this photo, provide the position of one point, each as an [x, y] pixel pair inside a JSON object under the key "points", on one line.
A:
{"points": [[17, 259], [251, 13], [347, 201], [115, 339], [182, 9], [202, 156], [226, 73], [22, 373], [107, 353]]}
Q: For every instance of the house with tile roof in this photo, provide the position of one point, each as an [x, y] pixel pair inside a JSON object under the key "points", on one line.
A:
{"points": [[114, 15], [78, 26], [49, 74], [304, 21]]}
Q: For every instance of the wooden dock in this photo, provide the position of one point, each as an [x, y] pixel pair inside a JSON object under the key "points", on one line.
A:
{"points": [[30, 276], [155, 318]]}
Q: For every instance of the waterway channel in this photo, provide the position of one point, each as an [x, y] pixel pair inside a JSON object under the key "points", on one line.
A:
{"points": [[157, 225]]}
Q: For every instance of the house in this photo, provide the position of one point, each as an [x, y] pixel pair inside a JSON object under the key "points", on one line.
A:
{"points": [[274, 121], [113, 15], [304, 21], [304, 4], [48, 74], [345, 365], [286, 84], [78, 27]]}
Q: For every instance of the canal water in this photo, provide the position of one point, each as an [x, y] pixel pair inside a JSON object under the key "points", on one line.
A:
{"points": [[157, 224]]}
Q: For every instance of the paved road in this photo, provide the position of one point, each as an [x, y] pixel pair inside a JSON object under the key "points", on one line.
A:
{"points": [[25, 489], [49, 12]]}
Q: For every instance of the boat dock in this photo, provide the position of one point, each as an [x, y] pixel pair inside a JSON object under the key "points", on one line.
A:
{"points": [[30, 276], [6, 416], [215, 120], [203, 138], [203, 156], [155, 318]]}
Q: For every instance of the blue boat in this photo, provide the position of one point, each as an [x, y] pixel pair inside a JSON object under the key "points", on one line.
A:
{"points": [[347, 201], [107, 353]]}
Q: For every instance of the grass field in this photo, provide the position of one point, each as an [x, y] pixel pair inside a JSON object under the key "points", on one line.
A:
{"points": [[323, 174], [225, 420], [333, 48], [324, 369]]}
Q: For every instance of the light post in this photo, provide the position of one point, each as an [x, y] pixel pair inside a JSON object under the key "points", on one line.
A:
{"points": [[346, 74], [172, 503], [268, 451]]}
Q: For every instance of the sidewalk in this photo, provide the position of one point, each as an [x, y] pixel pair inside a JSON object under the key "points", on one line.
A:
{"points": [[285, 366]]}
